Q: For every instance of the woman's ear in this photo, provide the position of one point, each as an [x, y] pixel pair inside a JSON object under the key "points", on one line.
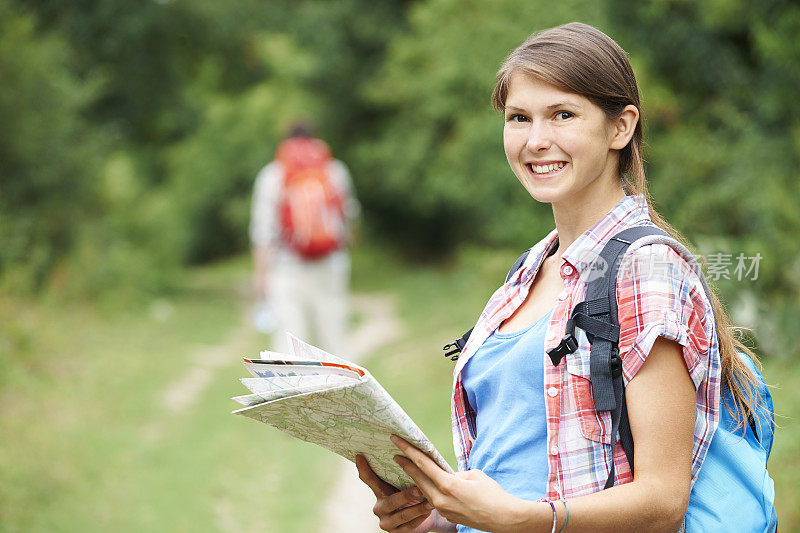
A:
{"points": [[624, 127]]}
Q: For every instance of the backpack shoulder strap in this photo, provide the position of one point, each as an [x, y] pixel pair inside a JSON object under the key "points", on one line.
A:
{"points": [[605, 365], [453, 349], [517, 264], [597, 316], [601, 305]]}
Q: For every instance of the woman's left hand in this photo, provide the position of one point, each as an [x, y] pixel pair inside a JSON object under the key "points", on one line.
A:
{"points": [[470, 498]]}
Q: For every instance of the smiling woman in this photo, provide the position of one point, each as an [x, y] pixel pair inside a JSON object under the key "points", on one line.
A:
{"points": [[549, 132], [535, 450]]}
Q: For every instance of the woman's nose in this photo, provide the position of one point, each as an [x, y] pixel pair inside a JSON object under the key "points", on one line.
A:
{"points": [[538, 138]]}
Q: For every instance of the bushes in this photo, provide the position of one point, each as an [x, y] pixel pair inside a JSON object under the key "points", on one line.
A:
{"points": [[132, 134], [48, 153]]}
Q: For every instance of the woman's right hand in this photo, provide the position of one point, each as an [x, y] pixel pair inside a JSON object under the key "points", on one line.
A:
{"points": [[400, 511]]}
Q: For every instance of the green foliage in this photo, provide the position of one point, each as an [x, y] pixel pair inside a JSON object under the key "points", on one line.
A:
{"points": [[437, 174], [133, 132], [144, 53], [723, 140], [47, 152]]}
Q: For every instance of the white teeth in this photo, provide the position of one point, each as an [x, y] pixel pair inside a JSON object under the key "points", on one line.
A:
{"points": [[546, 169]]}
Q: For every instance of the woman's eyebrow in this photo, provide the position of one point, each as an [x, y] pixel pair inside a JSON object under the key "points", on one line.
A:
{"points": [[563, 104]]}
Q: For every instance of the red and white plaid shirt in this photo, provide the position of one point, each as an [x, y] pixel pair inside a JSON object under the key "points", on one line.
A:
{"points": [[658, 294]]}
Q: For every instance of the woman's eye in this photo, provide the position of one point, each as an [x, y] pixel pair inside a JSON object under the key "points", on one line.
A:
{"points": [[516, 117], [564, 115]]}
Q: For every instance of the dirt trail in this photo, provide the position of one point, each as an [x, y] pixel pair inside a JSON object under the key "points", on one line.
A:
{"points": [[349, 505], [187, 389]]}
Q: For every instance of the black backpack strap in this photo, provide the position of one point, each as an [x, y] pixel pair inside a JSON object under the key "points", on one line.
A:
{"points": [[605, 366], [517, 265], [453, 349], [597, 316]]}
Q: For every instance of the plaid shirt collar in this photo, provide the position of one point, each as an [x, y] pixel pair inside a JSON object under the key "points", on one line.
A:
{"points": [[630, 211]]}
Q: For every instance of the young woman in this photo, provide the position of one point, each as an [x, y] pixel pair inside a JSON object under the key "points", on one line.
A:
{"points": [[533, 453]]}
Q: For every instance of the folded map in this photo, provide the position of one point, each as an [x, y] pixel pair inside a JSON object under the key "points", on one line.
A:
{"points": [[320, 398]]}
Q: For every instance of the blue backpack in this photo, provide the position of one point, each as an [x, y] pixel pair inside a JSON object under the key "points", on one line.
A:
{"points": [[733, 491]]}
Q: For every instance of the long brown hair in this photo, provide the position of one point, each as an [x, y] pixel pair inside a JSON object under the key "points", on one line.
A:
{"points": [[581, 59]]}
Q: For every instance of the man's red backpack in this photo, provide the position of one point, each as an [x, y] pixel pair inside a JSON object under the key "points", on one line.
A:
{"points": [[311, 209]]}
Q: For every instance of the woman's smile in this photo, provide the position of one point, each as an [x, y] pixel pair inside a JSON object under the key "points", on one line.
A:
{"points": [[545, 169]]}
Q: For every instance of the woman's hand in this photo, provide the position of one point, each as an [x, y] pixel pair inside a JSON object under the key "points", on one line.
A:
{"points": [[471, 498], [400, 510]]}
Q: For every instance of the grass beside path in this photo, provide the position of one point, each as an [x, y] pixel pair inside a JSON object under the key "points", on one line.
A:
{"points": [[88, 445]]}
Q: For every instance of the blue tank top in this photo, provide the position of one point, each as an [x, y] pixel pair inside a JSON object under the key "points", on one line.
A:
{"points": [[504, 382]]}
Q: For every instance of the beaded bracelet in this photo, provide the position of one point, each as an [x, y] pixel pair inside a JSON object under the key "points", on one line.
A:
{"points": [[553, 507], [562, 500]]}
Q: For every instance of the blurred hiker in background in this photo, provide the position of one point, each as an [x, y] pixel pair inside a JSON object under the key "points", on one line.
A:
{"points": [[302, 210]]}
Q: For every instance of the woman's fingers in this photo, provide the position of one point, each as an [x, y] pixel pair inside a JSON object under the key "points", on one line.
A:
{"points": [[421, 463], [379, 487], [396, 510], [416, 522], [397, 500], [407, 517], [426, 485]]}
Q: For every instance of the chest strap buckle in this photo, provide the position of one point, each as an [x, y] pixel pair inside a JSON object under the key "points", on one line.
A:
{"points": [[567, 345]]}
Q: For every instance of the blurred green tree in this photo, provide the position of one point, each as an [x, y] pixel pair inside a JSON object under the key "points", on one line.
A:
{"points": [[48, 153], [436, 175], [134, 131], [724, 140]]}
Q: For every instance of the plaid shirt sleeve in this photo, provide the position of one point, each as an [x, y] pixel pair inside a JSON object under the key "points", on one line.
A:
{"points": [[659, 294]]}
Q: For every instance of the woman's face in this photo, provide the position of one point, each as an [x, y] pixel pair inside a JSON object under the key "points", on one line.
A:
{"points": [[559, 144]]}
